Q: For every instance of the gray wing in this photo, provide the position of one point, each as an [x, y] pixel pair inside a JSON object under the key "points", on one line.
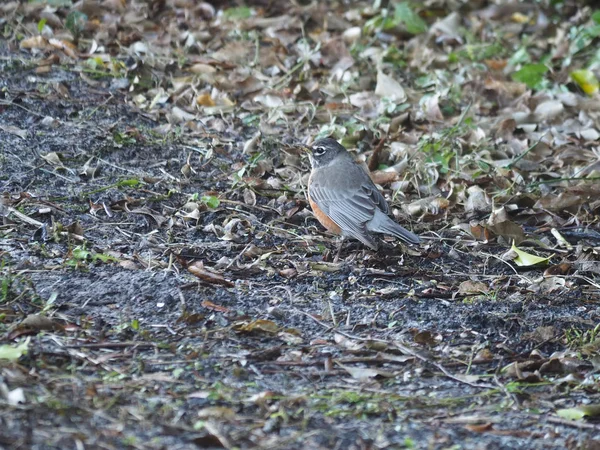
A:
{"points": [[351, 204], [378, 198]]}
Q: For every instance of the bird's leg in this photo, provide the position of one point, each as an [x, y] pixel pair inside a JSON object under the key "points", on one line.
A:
{"points": [[339, 250]]}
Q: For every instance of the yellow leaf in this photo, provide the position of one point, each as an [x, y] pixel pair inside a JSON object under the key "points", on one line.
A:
{"points": [[205, 100], [520, 18], [586, 80], [524, 259], [259, 325]]}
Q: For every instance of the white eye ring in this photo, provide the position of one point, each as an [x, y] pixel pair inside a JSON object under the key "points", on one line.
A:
{"points": [[318, 151]]}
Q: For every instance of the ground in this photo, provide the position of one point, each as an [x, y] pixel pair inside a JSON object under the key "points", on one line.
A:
{"points": [[163, 283]]}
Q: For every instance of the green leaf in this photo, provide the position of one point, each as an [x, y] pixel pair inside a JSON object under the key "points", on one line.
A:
{"points": [[596, 16], [41, 24], [241, 12], [80, 253], [75, 22], [579, 412], [525, 259], [13, 353], [129, 183], [210, 201], [411, 20], [105, 258], [521, 56], [531, 74]]}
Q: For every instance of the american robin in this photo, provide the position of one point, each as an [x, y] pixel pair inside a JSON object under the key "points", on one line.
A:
{"points": [[344, 198]]}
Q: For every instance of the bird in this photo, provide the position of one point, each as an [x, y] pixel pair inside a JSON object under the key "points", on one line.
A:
{"points": [[345, 200]]}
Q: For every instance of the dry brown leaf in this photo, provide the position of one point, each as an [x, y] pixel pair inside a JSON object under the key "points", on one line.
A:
{"points": [[197, 268], [257, 326], [205, 100], [559, 203], [214, 307], [384, 177], [473, 287], [479, 428], [558, 269], [425, 337], [37, 42], [33, 324]]}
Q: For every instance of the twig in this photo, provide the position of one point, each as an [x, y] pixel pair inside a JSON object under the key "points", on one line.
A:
{"points": [[522, 155], [441, 368], [24, 218], [374, 159], [113, 345], [405, 350], [558, 180]]}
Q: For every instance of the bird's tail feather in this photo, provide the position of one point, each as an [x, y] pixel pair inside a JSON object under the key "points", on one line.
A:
{"points": [[381, 223]]}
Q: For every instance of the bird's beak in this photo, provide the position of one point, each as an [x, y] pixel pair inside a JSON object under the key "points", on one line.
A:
{"points": [[306, 149]]}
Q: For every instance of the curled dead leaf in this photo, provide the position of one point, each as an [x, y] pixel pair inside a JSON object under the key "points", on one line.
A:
{"points": [[197, 269], [34, 42], [53, 158], [558, 269], [33, 324]]}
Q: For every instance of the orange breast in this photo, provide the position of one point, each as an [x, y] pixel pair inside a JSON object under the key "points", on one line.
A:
{"points": [[322, 217]]}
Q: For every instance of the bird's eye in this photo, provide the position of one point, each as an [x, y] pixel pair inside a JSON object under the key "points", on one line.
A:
{"points": [[319, 151]]}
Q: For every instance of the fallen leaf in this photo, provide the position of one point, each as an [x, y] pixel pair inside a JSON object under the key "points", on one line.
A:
{"points": [[259, 325], [389, 88], [12, 353], [473, 287], [210, 305], [579, 412], [217, 412], [365, 373], [11, 129], [525, 259], [479, 428], [586, 80], [197, 268]]}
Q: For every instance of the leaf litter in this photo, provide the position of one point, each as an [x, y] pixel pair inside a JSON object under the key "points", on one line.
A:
{"points": [[157, 250]]}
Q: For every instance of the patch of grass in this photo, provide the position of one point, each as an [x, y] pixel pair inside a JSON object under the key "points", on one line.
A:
{"points": [[579, 339], [442, 149], [14, 288], [124, 138], [340, 403], [6, 281], [403, 15], [477, 52], [239, 175], [127, 183], [80, 257]]}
